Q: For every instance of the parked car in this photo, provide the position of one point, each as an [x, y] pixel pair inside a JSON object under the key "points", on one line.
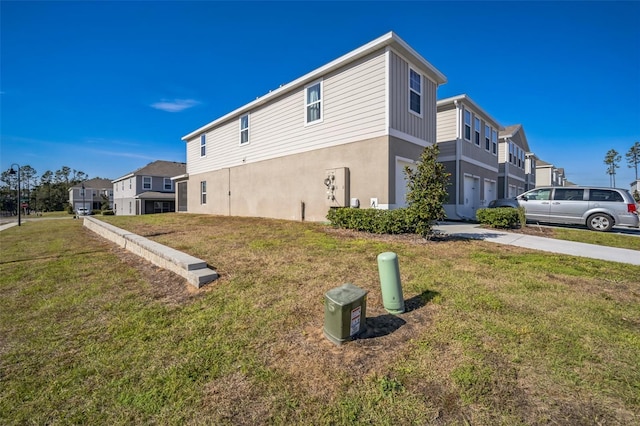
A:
{"points": [[504, 202], [597, 208], [83, 211]]}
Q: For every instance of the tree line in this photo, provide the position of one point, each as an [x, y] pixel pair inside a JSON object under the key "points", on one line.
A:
{"points": [[46, 192], [612, 160]]}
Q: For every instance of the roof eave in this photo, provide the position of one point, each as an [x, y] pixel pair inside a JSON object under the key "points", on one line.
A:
{"points": [[388, 39]]}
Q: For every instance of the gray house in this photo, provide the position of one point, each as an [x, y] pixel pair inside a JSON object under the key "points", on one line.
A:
{"points": [[467, 138], [149, 189], [513, 148], [337, 136], [91, 194]]}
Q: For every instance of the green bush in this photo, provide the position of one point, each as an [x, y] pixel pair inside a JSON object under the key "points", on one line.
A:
{"points": [[108, 212], [502, 217], [372, 220]]}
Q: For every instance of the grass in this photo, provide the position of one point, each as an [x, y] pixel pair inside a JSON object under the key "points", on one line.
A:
{"points": [[569, 233], [492, 334]]}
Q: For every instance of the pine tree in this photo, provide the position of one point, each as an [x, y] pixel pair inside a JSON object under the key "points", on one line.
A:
{"points": [[611, 160], [633, 157]]}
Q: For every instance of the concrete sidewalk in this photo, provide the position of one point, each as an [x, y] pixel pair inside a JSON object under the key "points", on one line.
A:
{"points": [[476, 232]]}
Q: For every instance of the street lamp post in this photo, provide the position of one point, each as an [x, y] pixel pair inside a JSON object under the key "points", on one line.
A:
{"points": [[84, 206], [13, 172]]}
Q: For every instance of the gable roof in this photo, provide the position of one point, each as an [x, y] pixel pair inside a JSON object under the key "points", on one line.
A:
{"points": [[390, 39], [467, 99], [95, 183], [516, 132], [157, 168]]}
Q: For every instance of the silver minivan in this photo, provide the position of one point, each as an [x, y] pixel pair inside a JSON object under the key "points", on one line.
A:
{"points": [[597, 208]]}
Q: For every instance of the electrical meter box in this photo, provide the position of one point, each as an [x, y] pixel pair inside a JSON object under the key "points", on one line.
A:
{"points": [[336, 184], [345, 313]]}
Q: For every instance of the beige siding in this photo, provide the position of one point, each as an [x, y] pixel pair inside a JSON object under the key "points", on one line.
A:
{"points": [[401, 119], [277, 187], [353, 103], [446, 125]]}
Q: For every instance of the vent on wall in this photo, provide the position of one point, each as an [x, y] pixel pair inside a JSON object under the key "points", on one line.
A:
{"points": [[336, 184]]}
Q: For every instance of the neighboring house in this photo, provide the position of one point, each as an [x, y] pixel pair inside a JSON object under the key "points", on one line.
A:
{"points": [[635, 187], [467, 138], [530, 170], [149, 189], [96, 192], [512, 150], [337, 136], [549, 175]]}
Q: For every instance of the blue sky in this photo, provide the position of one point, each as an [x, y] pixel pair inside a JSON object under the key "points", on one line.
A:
{"points": [[107, 87]]}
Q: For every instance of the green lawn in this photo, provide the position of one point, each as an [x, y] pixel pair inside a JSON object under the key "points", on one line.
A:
{"points": [[493, 334]]}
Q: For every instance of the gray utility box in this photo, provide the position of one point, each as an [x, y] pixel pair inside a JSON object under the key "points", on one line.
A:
{"points": [[345, 313]]}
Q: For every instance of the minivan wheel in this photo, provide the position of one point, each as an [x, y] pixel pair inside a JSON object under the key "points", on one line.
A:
{"points": [[600, 222]]}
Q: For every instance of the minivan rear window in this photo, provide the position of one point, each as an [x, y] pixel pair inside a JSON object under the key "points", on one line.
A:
{"points": [[569, 194], [604, 195]]}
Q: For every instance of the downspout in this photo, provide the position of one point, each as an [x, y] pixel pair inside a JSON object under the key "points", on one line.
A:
{"points": [[458, 158]]}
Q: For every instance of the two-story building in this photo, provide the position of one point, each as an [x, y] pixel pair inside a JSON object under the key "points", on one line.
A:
{"points": [[467, 138], [149, 189], [340, 135], [512, 150], [92, 194], [549, 175]]}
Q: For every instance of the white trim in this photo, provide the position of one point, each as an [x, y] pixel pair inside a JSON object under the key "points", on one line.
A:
{"points": [[411, 90], [203, 137], [464, 124], [390, 39], [248, 129], [409, 138], [387, 89], [468, 160], [319, 101]]}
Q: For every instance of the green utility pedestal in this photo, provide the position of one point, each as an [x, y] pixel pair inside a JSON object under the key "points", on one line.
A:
{"points": [[389, 270], [345, 313]]}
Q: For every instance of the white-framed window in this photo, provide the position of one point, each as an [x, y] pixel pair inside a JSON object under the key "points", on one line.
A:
{"points": [[123, 185], [203, 192], [313, 102], [510, 152], [494, 142], [467, 125], [415, 92], [244, 129], [146, 182], [476, 129], [130, 182], [203, 145], [487, 138], [168, 184]]}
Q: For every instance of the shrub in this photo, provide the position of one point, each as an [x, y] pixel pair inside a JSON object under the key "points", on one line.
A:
{"points": [[426, 191], [108, 213], [372, 220], [501, 217]]}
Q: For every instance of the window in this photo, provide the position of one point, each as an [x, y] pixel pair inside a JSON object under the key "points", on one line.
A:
{"points": [[467, 125], [130, 183], [539, 194], [203, 192], [568, 194], [203, 145], [168, 184], [476, 123], [244, 129], [487, 138], [415, 92], [313, 102], [123, 185], [510, 152], [146, 182], [604, 195], [494, 141]]}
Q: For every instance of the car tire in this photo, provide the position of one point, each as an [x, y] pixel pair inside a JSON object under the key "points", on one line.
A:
{"points": [[600, 222]]}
